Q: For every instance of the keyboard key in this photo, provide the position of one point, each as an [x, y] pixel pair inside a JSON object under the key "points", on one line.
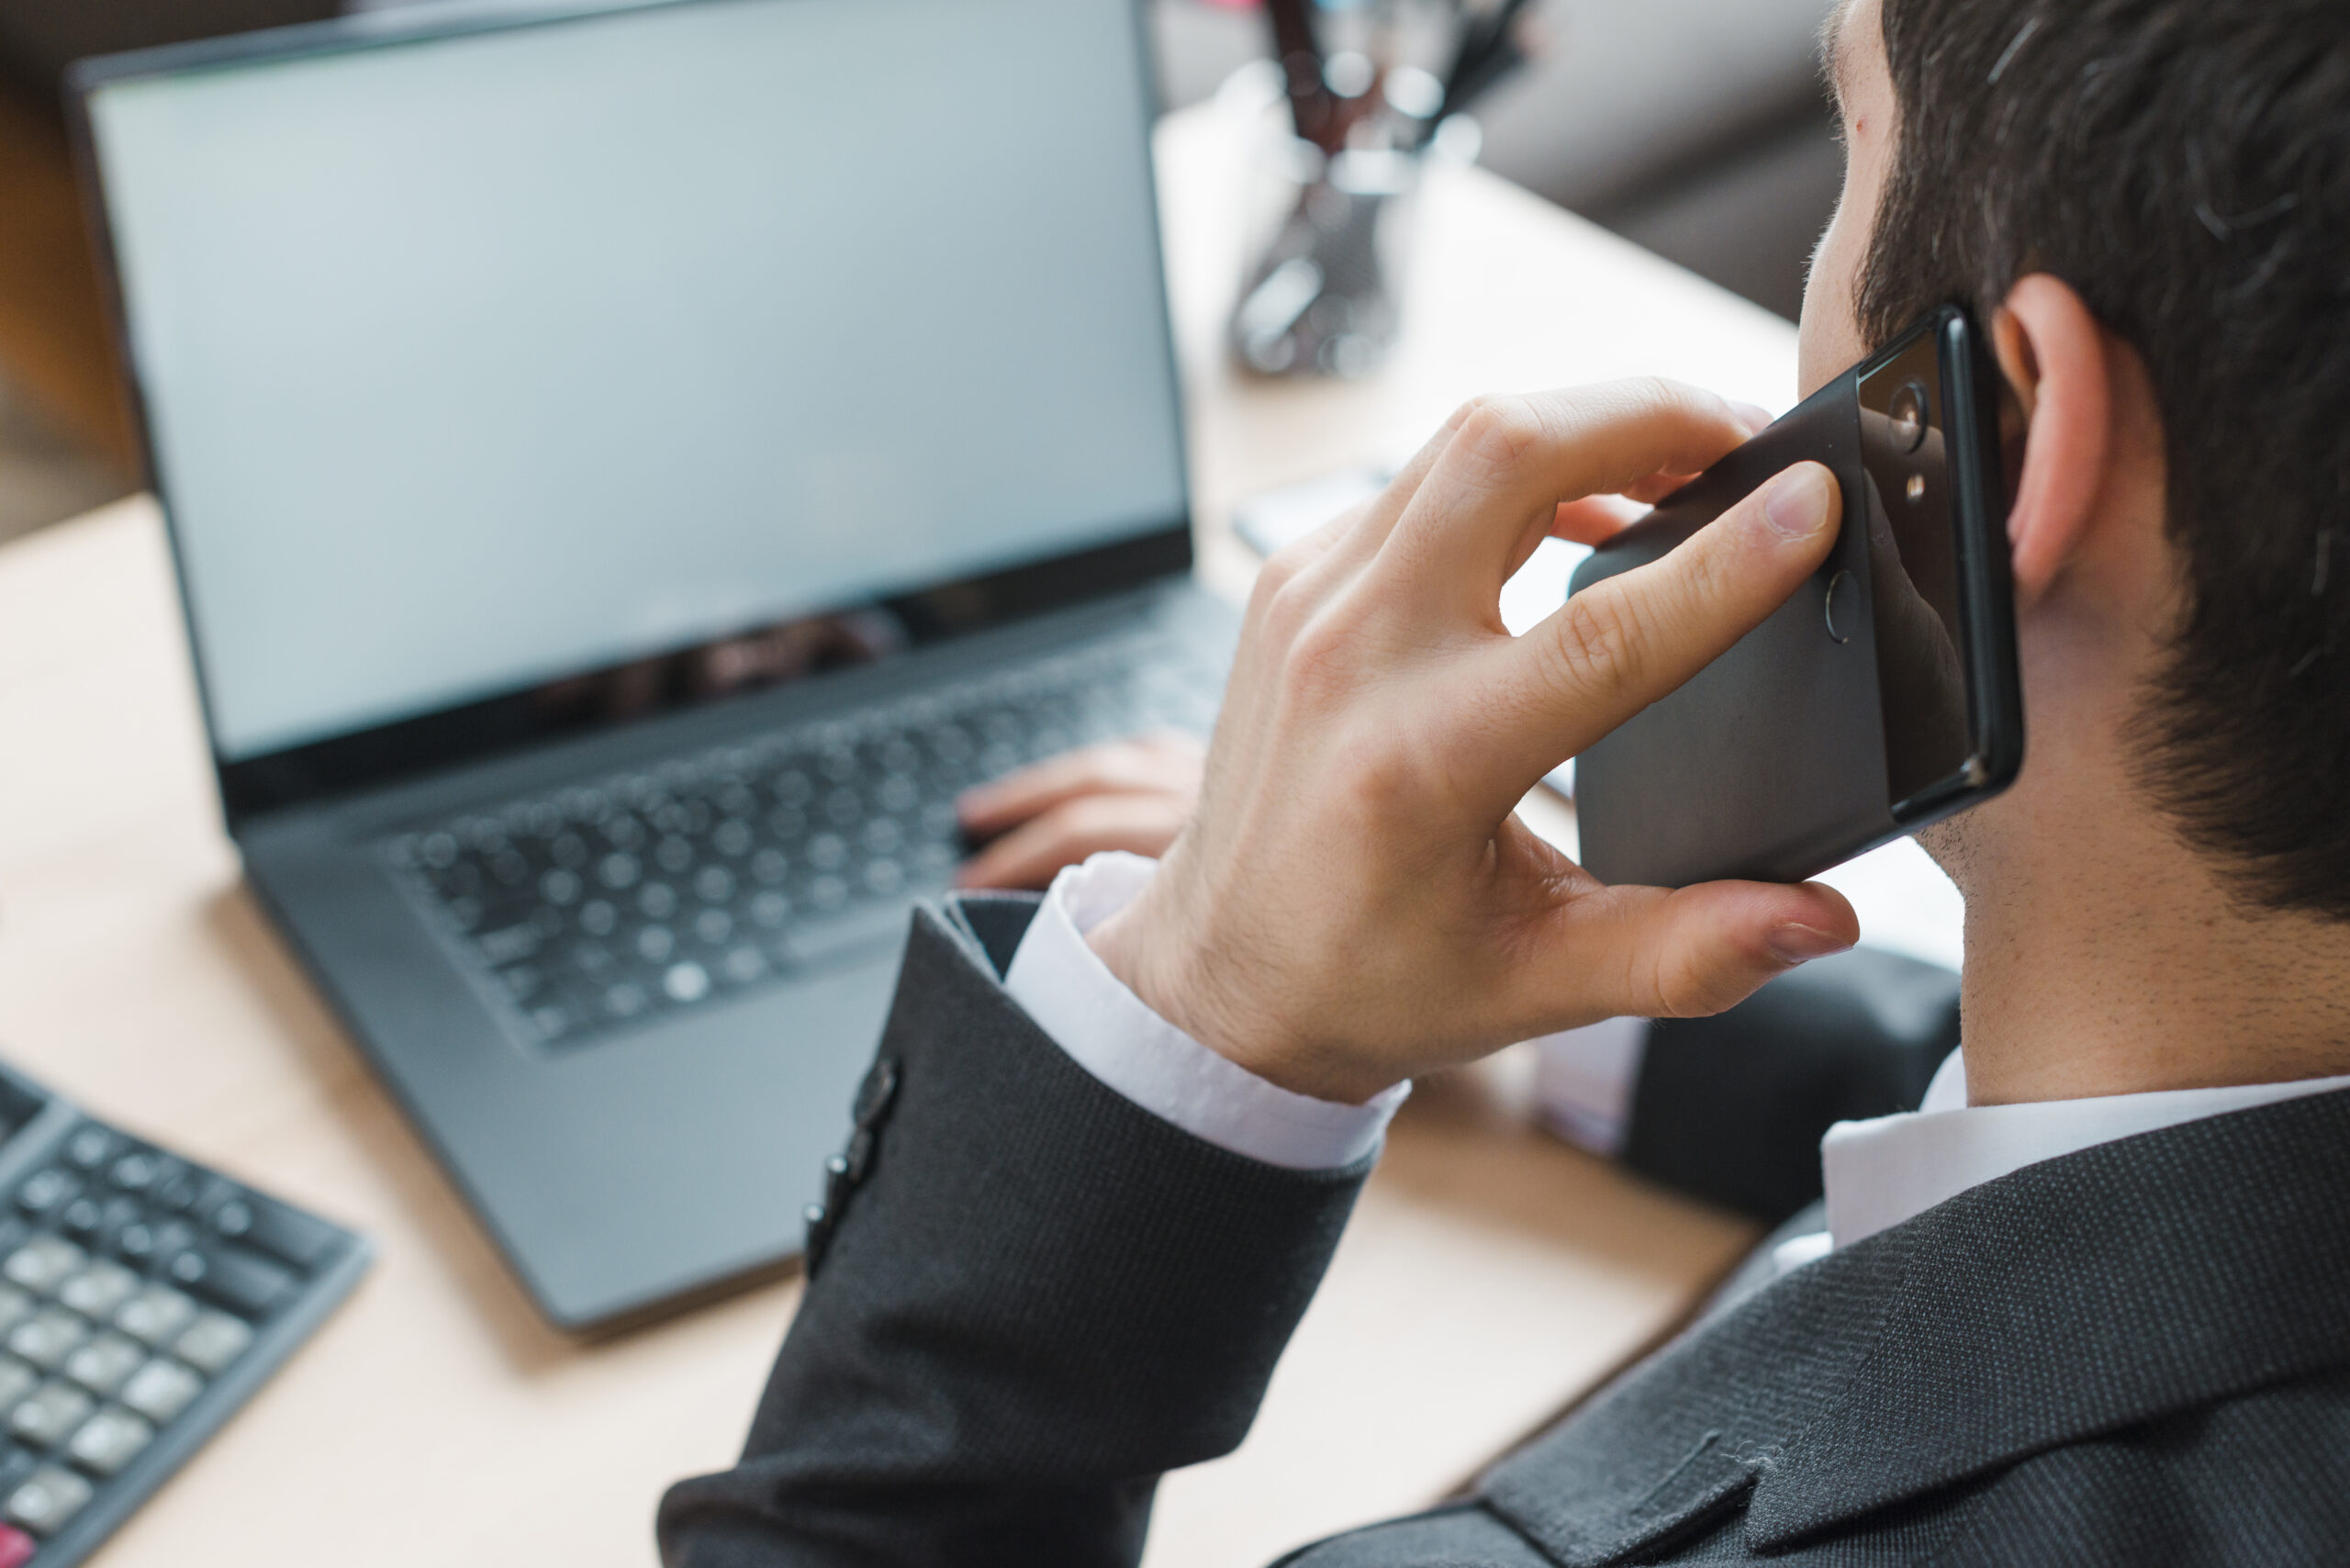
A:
{"points": [[109, 1441], [97, 1290], [42, 1264], [48, 1337], [16, 1548], [241, 1280], [687, 981], [15, 1307], [160, 1390], [101, 1365], [213, 1341], [43, 1418], [16, 1380], [47, 1502], [155, 1316]]}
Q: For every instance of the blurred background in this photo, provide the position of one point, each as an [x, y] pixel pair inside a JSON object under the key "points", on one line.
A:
{"points": [[1696, 128]]}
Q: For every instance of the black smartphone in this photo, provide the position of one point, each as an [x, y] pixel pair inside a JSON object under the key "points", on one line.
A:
{"points": [[1883, 696]]}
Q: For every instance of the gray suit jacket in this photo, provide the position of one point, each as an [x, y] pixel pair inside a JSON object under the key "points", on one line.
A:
{"points": [[1031, 1298]]}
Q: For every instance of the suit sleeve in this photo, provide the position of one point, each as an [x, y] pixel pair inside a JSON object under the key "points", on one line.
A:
{"points": [[1732, 1108], [1029, 1298]]}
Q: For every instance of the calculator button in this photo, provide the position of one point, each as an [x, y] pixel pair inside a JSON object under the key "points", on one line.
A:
{"points": [[160, 1390], [16, 1547], [43, 1418], [16, 1380], [90, 1148], [136, 1171], [142, 1244], [41, 1264], [243, 1282], [274, 1228], [214, 1341], [178, 1191], [109, 1441], [97, 1290], [47, 1190], [155, 1314], [48, 1337], [102, 1365], [43, 1503]]}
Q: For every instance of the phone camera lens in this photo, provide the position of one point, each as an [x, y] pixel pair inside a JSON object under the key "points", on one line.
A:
{"points": [[1906, 415]]}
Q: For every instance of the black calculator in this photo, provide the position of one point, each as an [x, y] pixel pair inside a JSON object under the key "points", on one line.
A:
{"points": [[143, 1298]]}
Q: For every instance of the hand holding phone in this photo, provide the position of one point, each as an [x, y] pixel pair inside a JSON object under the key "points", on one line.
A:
{"points": [[1882, 695], [1355, 901]]}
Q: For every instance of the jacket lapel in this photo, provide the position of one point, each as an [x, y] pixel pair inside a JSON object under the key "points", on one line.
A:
{"points": [[2073, 1297]]}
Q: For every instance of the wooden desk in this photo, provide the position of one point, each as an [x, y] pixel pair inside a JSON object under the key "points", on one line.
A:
{"points": [[1490, 1275]]}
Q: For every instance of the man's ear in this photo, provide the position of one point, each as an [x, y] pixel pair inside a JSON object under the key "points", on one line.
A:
{"points": [[2053, 353]]}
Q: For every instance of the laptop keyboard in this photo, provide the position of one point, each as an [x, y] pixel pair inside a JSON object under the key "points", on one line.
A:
{"points": [[674, 886]]}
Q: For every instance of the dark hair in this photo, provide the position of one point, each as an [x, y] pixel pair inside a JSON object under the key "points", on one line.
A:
{"points": [[2185, 166]]}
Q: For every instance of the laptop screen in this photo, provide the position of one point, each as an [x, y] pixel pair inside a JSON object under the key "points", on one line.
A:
{"points": [[477, 360]]}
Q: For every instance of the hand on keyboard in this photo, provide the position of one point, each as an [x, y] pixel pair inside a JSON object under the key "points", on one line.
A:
{"points": [[1132, 794]]}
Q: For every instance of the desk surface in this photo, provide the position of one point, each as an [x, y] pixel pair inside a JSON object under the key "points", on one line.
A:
{"points": [[1491, 1274]]}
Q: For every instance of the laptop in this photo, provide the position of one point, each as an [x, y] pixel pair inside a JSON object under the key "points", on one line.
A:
{"points": [[629, 468]]}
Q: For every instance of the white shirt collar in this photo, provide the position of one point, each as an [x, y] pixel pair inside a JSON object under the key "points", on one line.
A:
{"points": [[1884, 1171]]}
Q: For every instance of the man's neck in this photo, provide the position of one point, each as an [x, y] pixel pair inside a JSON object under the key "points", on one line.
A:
{"points": [[2103, 956]]}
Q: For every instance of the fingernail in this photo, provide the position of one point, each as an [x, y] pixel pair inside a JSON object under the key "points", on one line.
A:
{"points": [[1801, 944], [1797, 504]]}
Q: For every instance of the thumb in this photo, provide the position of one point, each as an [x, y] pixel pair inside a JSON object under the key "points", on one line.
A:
{"points": [[1687, 953]]}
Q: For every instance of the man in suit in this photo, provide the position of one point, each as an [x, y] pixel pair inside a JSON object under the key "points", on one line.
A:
{"points": [[2086, 1305]]}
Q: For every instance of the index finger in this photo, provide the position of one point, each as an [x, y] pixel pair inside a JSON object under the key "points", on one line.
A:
{"points": [[1631, 639], [1514, 459]]}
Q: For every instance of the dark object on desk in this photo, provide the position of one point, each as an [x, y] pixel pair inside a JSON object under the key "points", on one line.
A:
{"points": [[1040, 1297], [1732, 1108], [1313, 109], [1321, 298], [1883, 696], [142, 1300], [1490, 51], [718, 524]]}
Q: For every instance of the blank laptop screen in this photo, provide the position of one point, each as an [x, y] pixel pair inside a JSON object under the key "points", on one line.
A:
{"points": [[473, 361]]}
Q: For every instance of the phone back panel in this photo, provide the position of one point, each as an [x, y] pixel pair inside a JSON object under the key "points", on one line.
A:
{"points": [[1769, 764]]}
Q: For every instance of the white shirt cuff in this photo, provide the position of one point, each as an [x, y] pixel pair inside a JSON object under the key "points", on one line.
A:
{"points": [[1106, 1029]]}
